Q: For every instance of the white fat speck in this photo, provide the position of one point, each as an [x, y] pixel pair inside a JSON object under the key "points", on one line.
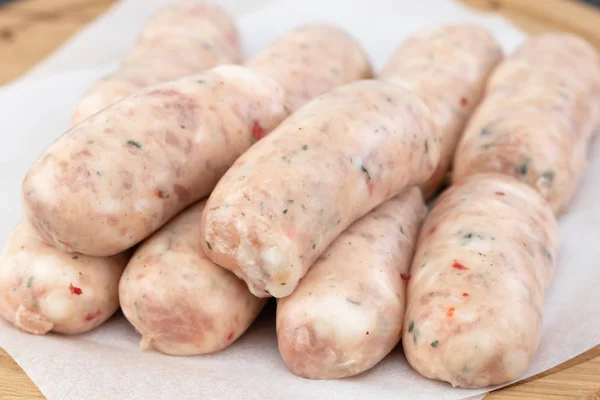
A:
{"points": [[57, 307], [241, 227], [347, 363], [45, 186], [237, 72], [515, 286], [515, 362], [479, 245], [142, 205], [466, 316], [272, 257], [245, 253], [351, 320], [48, 269], [109, 205]]}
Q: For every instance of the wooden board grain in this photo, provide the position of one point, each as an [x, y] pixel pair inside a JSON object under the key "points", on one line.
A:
{"points": [[32, 29]]}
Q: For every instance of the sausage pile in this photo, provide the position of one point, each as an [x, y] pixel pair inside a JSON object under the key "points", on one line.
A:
{"points": [[182, 39], [190, 192]]}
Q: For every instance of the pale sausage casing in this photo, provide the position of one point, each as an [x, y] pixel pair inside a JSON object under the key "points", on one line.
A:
{"points": [[181, 39], [332, 161], [539, 115], [118, 176], [347, 312], [180, 301], [485, 255], [447, 68], [43, 289], [312, 60]]}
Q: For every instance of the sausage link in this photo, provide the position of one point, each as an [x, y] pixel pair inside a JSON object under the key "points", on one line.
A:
{"points": [[347, 312], [181, 39], [179, 300], [332, 161], [43, 289], [115, 178], [485, 255], [539, 115], [311, 61], [447, 67]]}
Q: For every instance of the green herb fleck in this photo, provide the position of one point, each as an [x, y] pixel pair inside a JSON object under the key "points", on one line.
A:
{"points": [[434, 344], [363, 169], [134, 144], [282, 283], [29, 281], [208, 245], [305, 147], [473, 235], [74, 257], [352, 301], [314, 245], [485, 132], [285, 211], [81, 274], [524, 168], [548, 175], [411, 326], [182, 126], [426, 147]]}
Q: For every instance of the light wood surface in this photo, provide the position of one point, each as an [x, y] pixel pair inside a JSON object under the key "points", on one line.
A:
{"points": [[32, 29]]}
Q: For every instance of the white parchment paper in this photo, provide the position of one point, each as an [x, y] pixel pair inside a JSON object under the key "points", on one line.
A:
{"points": [[107, 364]]}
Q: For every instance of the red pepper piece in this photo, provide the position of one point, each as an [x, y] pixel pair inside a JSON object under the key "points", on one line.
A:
{"points": [[459, 266], [257, 131], [75, 290]]}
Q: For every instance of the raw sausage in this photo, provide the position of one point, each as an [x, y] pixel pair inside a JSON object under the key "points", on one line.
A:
{"points": [[447, 67], [332, 161], [485, 255], [312, 60], [347, 312], [115, 178], [180, 301], [180, 39], [43, 289], [538, 117]]}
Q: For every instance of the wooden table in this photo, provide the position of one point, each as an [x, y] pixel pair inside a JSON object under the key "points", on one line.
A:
{"points": [[32, 29]]}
